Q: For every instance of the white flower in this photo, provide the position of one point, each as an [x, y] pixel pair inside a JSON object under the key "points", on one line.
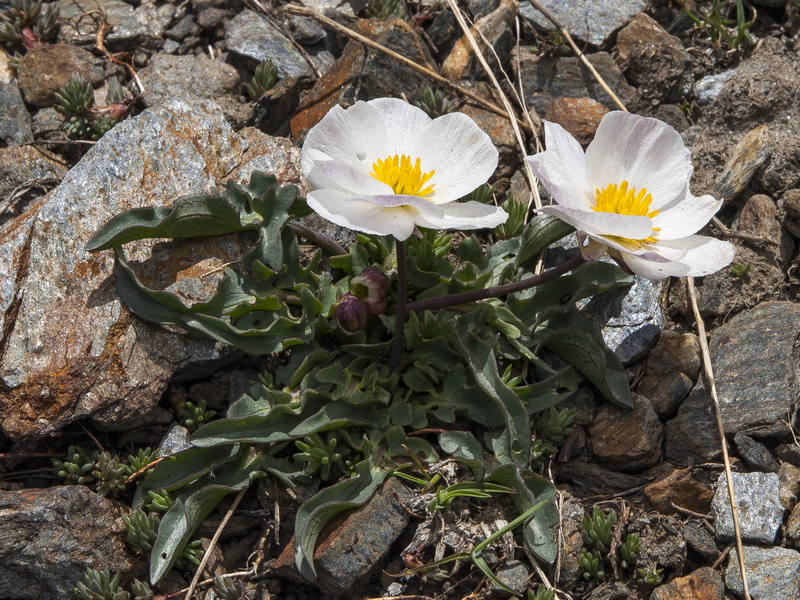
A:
{"points": [[630, 193], [385, 167]]}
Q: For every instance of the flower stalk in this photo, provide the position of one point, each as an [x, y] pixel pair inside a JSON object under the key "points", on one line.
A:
{"points": [[400, 309]]}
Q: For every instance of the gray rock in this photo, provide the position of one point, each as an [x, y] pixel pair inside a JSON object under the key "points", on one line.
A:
{"points": [[74, 351], [675, 352], [345, 7], [631, 319], [666, 392], [254, 38], [186, 77], [701, 541], [25, 174], [514, 575], [627, 439], [709, 87], [126, 33], [545, 78], [759, 509], [587, 20], [789, 453], [755, 454], [772, 573], [16, 125], [49, 537], [756, 396], [589, 479]]}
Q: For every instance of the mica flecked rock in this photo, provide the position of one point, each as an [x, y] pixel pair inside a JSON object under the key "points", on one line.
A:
{"points": [[70, 349], [702, 584]]}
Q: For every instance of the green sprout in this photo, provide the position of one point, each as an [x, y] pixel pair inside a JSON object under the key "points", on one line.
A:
{"points": [[592, 564], [651, 576], [435, 103], [551, 428], [380, 9], [598, 529], [193, 415], [320, 455], [98, 584], [142, 529], [26, 24], [77, 468], [160, 501], [140, 460], [717, 24], [465, 489], [264, 79], [629, 551], [110, 474], [141, 591], [430, 247], [517, 211], [228, 588], [739, 270], [542, 593]]}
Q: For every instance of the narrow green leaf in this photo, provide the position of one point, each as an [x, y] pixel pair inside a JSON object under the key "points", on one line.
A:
{"points": [[316, 512]]}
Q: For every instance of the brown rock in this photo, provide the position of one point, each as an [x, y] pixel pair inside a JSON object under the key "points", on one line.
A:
{"points": [[759, 218], [653, 60], [579, 116], [49, 537], [702, 584], [747, 157], [627, 439], [675, 352], [793, 526], [681, 489], [46, 69], [350, 547], [361, 73], [590, 479], [788, 484], [665, 392]]}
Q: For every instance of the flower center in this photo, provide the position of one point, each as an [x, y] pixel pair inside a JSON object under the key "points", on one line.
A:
{"points": [[621, 200], [402, 176]]}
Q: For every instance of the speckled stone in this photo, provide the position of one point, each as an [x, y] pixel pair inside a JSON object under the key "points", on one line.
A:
{"points": [[759, 509], [772, 573]]}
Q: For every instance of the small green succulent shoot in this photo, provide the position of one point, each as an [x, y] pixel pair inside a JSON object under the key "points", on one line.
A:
{"points": [[78, 467], [652, 576], [541, 593], [321, 456], [82, 119], [141, 460], [380, 9], [264, 79], [110, 474], [160, 500], [98, 584], [592, 564], [598, 529], [195, 414], [141, 591], [229, 588], [629, 551], [142, 529], [517, 211], [435, 102], [554, 425], [29, 24], [739, 270]]}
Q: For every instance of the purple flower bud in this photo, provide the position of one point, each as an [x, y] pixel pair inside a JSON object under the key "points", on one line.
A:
{"points": [[371, 287], [351, 313]]}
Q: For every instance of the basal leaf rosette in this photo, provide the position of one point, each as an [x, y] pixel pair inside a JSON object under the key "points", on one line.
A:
{"points": [[628, 195], [385, 167]]}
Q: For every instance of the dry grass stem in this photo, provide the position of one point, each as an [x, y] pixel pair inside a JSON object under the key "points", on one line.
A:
{"points": [[709, 372]]}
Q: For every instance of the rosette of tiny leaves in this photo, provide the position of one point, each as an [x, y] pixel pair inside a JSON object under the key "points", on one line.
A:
{"points": [[74, 101], [435, 103], [77, 468], [592, 564], [542, 593], [193, 415], [517, 210], [264, 79], [26, 24], [598, 528], [142, 528], [320, 455], [140, 460], [228, 588], [193, 552], [629, 551], [160, 501], [109, 474], [651, 576], [98, 584], [141, 591], [554, 424], [380, 9]]}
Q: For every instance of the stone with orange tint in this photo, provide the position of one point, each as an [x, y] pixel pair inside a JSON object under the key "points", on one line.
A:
{"points": [[579, 116], [702, 584]]}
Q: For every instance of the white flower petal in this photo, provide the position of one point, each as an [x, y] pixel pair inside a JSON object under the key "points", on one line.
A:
{"points": [[654, 270], [686, 217], [461, 215], [701, 256], [395, 200], [603, 223], [562, 168], [644, 152], [462, 155], [331, 174], [338, 207], [403, 122], [355, 136]]}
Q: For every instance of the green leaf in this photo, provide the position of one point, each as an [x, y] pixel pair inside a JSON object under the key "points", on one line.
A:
{"points": [[541, 231], [316, 512], [539, 533], [578, 341], [190, 216], [192, 506]]}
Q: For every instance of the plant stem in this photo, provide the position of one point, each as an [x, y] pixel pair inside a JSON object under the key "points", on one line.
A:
{"points": [[319, 239], [400, 308], [496, 291]]}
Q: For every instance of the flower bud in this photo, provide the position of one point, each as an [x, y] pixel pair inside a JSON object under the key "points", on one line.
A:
{"points": [[371, 287], [351, 313]]}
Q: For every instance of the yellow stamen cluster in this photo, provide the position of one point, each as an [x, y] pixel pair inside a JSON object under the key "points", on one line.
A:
{"points": [[403, 177], [620, 200]]}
